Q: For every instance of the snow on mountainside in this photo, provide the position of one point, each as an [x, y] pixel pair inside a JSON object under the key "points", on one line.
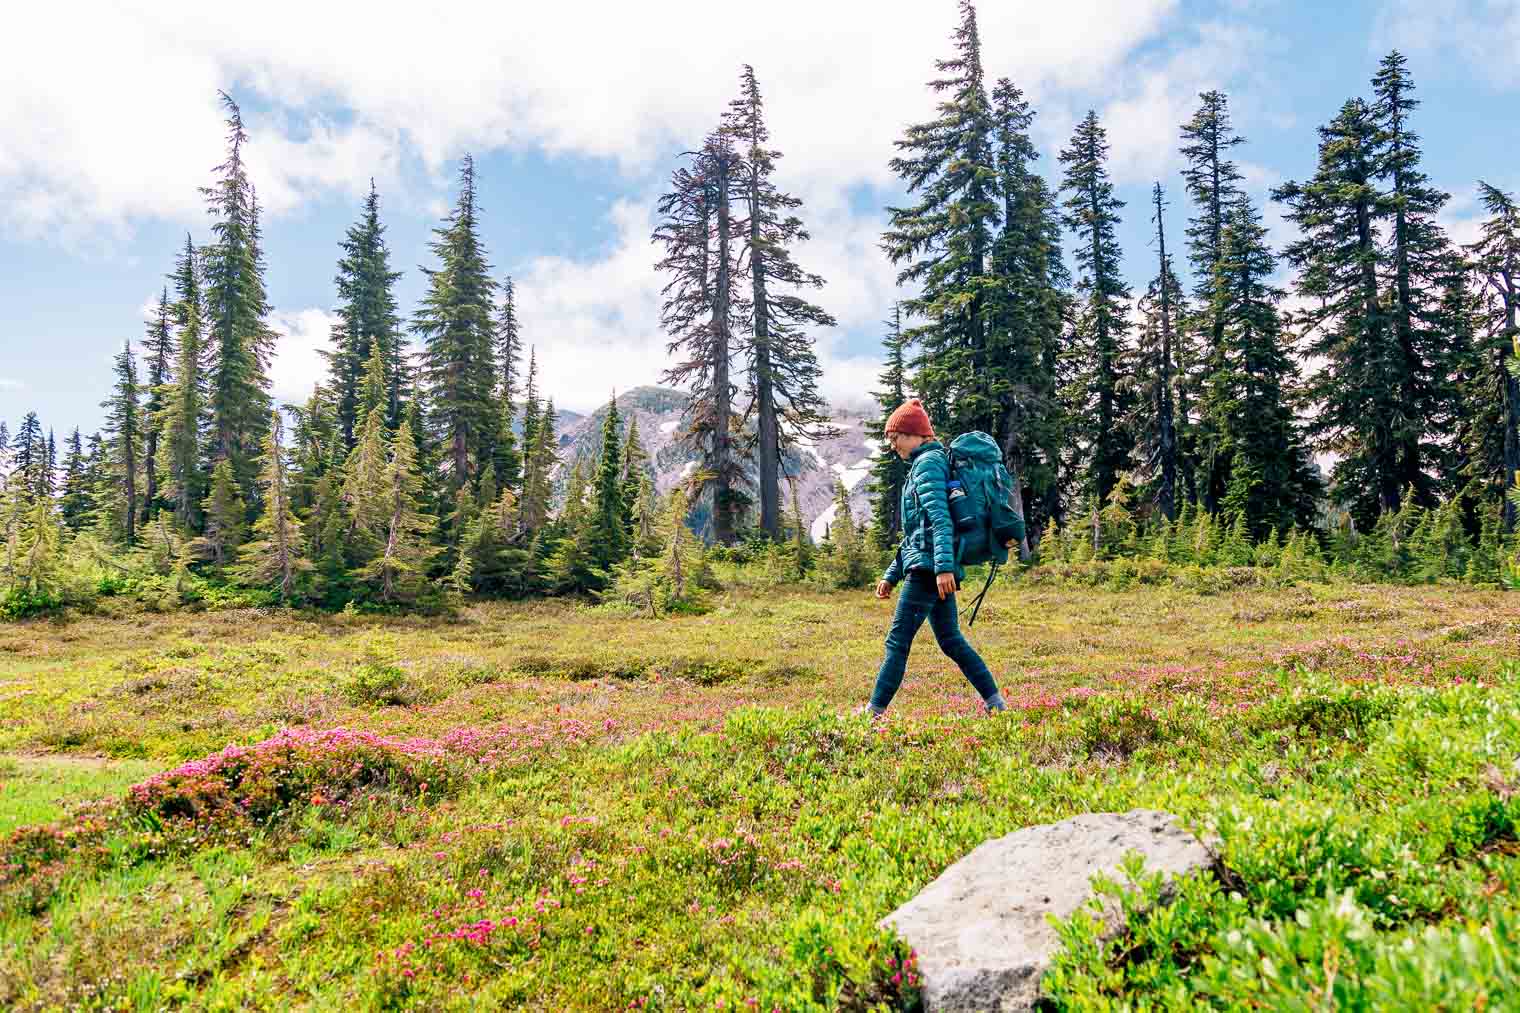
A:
{"points": [[847, 457]]}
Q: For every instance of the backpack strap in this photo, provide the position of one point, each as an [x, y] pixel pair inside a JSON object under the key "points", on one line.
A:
{"points": [[976, 603]]}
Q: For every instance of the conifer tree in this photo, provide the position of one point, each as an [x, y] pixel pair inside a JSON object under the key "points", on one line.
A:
{"points": [[1361, 396], [240, 339], [1156, 371], [398, 572], [943, 243], [184, 402], [458, 359], [275, 557], [225, 512], [29, 459], [33, 562], [1420, 259], [1247, 400], [365, 490], [1028, 310], [1100, 393], [609, 509], [159, 351], [124, 428], [633, 470], [509, 354], [889, 471], [847, 562], [367, 324], [784, 370], [1496, 256], [538, 475], [575, 566], [77, 504], [701, 310]]}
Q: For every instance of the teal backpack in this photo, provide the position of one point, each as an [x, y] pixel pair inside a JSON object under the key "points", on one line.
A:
{"points": [[980, 494]]}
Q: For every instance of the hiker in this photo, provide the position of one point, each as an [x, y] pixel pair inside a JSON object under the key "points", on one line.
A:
{"points": [[926, 564]]}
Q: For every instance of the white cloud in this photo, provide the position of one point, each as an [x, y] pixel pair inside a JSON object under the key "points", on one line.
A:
{"points": [[298, 365], [1482, 34], [116, 119], [8, 384]]}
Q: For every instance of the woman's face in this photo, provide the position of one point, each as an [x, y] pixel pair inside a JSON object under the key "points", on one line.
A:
{"points": [[903, 445]]}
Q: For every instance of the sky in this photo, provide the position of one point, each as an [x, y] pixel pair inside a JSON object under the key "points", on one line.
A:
{"points": [[577, 113]]}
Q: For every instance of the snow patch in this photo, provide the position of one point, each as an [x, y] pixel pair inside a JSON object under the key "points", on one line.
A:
{"points": [[691, 466], [669, 426], [855, 473], [822, 522]]}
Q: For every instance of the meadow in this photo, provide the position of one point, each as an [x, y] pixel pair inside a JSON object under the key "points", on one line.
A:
{"points": [[553, 807]]}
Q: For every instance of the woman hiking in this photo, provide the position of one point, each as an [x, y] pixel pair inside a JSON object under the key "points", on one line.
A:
{"points": [[925, 564]]}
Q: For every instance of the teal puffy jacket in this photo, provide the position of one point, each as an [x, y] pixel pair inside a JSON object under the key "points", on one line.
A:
{"points": [[928, 537]]}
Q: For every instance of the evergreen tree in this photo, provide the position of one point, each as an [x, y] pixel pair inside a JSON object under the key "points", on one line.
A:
{"points": [[1156, 371], [889, 471], [1249, 390], [275, 557], [784, 368], [124, 429], [28, 459], [225, 518], [575, 565], [367, 323], [1497, 258], [1101, 397], [633, 469], [241, 342], [1363, 408], [184, 402], [160, 353], [33, 561], [1420, 259], [509, 354], [1028, 311], [365, 490], [701, 310], [458, 360], [77, 504], [538, 475], [398, 572], [848, 565], [943, 243], [1213, 181], [609, 509]]}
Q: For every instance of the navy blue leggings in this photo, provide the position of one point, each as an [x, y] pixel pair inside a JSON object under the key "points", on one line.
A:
{"points": [[919, 600]]}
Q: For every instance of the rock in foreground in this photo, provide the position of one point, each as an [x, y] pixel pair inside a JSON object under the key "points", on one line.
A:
{"points": [[980, 929]]}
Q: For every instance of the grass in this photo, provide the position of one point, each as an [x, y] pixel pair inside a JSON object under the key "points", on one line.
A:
{"points": [[556, 808]]}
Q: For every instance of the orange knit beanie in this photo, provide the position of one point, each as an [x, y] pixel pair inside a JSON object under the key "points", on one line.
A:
{"points": [[910, 419]]}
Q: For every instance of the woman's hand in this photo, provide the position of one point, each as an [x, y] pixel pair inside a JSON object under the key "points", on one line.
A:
{"points": [[946, 583], [883, 590]]}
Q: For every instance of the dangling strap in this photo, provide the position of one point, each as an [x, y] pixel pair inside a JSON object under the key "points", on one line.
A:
{"points": [[976, 603]]}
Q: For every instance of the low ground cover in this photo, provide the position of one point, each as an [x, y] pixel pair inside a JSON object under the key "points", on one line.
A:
{"points": [[558, 808]]}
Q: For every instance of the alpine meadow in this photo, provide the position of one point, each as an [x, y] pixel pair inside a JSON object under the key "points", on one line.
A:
{"points": [[439, 687]]}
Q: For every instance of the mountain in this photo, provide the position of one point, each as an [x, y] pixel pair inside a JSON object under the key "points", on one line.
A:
{"points": [[846, 457]]}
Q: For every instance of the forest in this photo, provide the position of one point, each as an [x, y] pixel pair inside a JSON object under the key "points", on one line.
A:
{"points": [[1364, 421]]}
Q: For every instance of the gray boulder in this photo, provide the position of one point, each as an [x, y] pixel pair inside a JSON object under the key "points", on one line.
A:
{"points": [[980, 929]]}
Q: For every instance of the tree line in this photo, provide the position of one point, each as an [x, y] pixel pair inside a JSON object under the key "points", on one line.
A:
{"points": [[406, 475]]}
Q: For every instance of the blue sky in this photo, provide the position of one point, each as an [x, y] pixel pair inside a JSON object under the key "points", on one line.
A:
{"points": [[576, 117]]}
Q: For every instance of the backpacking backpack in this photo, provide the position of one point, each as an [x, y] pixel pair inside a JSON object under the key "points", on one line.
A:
{"points": [[980, 494]]}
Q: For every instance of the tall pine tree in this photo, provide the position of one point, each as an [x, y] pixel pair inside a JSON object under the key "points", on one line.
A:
{"points": [[458, 359], [784, 368], [1100, 395], [1496, 256], [701, 310], [184, 403], [943, 242], [159, 351], [124, 431], [367, 322], [890, 471], [241, 341]]}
